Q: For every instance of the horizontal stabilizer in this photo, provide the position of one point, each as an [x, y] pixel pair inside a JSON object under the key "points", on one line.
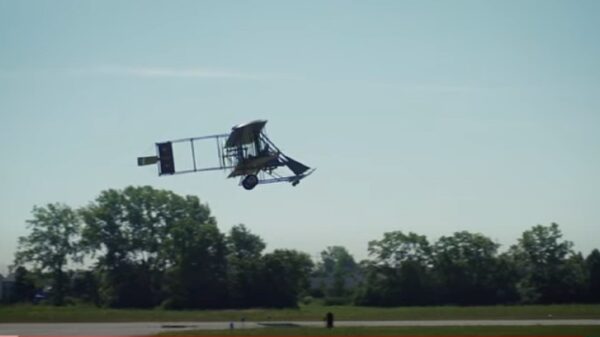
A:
{"points": [[142, 161], [297, 167]]}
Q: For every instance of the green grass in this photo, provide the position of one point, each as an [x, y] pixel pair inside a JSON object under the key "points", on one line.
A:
{"points": [[584, 331], [82, 313]]}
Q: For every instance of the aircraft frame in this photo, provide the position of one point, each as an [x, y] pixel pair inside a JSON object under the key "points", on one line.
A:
{"points": [[246, 152]]}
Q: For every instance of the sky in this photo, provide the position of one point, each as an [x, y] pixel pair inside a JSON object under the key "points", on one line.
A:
{"points": [[425, 116]]}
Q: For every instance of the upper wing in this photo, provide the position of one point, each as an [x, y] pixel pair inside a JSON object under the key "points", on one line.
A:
{"points": [[245, 133]]}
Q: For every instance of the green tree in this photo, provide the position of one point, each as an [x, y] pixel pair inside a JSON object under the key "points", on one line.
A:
{"points": [[244, 267], [542, 257], [110, 230], [196, 274], [24, 287], [506, 276], [243, 244], [400, 272], [338, 271], [576, 278], [84, 286], [133, 231], [285, 277], [397, 247], [51, 244], [593, 267], [465, 264]]}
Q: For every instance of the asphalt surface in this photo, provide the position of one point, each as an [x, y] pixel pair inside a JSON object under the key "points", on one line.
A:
{"points": [[151, 328]]}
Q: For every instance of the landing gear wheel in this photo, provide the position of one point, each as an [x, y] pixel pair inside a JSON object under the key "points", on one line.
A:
{"points": [[250, 181]]}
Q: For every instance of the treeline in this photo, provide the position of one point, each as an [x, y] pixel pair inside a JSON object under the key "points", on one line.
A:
{"points": [[153, 247], [147, 247], [467, 269]]}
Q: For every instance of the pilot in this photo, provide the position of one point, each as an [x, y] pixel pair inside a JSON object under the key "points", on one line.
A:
{"points": [[265, 150]]}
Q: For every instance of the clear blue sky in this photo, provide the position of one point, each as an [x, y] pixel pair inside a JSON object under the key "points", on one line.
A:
{"points": [[422, 116]]}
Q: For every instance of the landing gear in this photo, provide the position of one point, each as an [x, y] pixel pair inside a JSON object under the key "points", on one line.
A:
{"points": [[250, 181]]}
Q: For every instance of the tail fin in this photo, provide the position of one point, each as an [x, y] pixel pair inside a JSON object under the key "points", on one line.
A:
{"points": [[297, 167]]}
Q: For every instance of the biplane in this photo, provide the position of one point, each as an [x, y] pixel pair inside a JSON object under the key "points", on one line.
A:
{"points": [[246, 152]]}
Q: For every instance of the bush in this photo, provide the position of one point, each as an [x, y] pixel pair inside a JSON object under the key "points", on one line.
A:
{"points": [[306, 300]]}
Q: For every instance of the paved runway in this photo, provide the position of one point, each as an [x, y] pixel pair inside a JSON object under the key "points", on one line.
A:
{"points": [[150, 328]]}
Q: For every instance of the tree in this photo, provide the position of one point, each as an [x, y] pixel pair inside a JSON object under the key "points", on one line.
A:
{"points": [[575, 276], [285, 276], [541, 258], [465, 265], [244, 267], [338, 271], [593, 267], [136, 231], [24, 287], [506, 277], [51, 244], [84, 286], [242, 244], [400, 273], [196, 275], [397, 247], [118, 233]]}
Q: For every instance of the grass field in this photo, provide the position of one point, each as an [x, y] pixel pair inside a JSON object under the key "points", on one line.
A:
{"points": [[584, 331], [80, 313]]}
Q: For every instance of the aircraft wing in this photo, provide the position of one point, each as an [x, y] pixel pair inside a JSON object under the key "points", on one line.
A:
{"points": [[245, 133]]}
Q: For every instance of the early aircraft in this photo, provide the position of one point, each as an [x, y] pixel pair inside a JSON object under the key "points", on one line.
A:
{"points": [[246, 152]]}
